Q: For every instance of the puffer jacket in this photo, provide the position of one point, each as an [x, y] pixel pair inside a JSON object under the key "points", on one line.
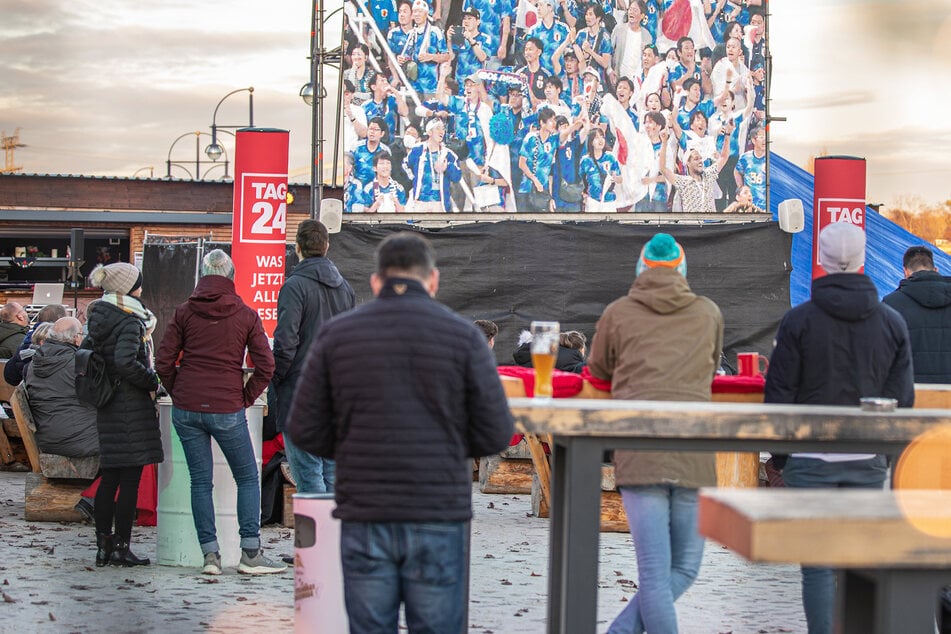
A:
{"points": [[313, 293], [64, 425], [660, 342], [211, 331], [401, 413], [840, 346], [128, 425], [924, 300]]}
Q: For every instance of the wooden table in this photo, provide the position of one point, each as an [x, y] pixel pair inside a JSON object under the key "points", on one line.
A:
{"points": [[583, 429], [889, 572]]}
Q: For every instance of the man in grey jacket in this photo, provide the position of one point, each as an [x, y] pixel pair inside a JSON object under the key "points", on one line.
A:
{"points": [[312, 294], [64, 425]]}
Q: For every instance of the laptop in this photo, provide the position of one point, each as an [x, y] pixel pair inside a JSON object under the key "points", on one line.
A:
{"points": [[46, 294]]}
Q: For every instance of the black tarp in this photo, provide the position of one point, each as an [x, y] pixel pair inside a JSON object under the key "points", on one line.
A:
{"points": [[514, 272]]}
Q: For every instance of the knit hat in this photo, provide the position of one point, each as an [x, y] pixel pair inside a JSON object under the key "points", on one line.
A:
{"points": [[842, 248], [662, 251], [121, 278]]}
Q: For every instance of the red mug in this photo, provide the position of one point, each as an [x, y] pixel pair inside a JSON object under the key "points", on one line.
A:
{"points": [[748, 364]]}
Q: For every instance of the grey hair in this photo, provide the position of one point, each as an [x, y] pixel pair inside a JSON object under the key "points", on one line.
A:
{"points": [[41, 333], [217, 262], [65, 329]]}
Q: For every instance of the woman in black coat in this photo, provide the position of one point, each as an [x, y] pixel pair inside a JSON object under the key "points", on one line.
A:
{"points": [[129, 437]]}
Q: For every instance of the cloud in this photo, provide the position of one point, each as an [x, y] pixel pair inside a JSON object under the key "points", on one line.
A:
{"points": [[828, 100]]}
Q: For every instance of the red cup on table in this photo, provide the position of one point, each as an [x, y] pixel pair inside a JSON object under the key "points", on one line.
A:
{"points": [[751, 364]]}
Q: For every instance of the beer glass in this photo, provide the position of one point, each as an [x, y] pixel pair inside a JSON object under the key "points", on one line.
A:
{"points": [[544, 352]]}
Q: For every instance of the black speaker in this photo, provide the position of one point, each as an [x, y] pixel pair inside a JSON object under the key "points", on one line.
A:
{"points": [[76, 243]]}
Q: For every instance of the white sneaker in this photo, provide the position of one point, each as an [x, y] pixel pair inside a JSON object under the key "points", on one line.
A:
{"points": [[212, 564], [259, 564]]}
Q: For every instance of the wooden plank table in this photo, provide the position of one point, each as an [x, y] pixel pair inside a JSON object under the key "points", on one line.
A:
{"points": [[583, 429], [889, 572]]}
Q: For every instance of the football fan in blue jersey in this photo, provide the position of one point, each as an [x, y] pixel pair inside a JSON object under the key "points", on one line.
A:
{"points": [[367, 150], [434, 167], [751, 168], [383, 194]]}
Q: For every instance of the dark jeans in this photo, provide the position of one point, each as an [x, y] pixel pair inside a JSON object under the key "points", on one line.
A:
{"points": [[121, 510], [421, 564], [818, 584]]}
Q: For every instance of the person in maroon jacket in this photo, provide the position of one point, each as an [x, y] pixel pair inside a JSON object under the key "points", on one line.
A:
{"points": [[200, 364]]}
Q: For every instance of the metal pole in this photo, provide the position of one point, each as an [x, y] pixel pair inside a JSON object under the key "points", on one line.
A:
{"points": [[314, 64], [198, 175], [318, 111]]}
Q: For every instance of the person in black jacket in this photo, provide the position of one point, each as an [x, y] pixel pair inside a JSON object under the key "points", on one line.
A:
{"points": [[839, 347], [924, 299], [403, 393], [129, 438], [312, 294]]}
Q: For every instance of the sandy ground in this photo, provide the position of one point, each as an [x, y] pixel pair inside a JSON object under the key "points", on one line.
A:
{"points": [[49, 583]]}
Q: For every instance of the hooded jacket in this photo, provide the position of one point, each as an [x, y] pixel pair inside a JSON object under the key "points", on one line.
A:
{"points": [[660, 342], [128, 424], [841, 346], [313, 293], [201, 358], [11, 336], [924, 300], [65, 425]]}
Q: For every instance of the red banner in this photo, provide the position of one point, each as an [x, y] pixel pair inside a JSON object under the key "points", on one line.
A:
{"points": [[258, 230], [839, 197]]}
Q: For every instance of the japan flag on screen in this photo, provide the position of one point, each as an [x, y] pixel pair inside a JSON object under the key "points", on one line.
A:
{"points": [[526, 15]]}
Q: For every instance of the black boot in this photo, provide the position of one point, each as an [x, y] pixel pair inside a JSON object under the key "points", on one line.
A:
{"points": [[104, 544], [122, 556]]}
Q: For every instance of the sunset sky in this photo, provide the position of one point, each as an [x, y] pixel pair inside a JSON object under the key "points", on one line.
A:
{"points": [[103, 87]]}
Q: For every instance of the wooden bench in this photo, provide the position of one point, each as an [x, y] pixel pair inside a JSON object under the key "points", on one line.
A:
{"points": [[889, 572], [11, 447], [56, 482]]}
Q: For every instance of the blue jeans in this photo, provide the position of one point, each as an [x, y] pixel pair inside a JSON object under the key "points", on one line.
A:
{"points": [[818, 584], [311, 474], [422, 564], [230, 431], [663, 521]]}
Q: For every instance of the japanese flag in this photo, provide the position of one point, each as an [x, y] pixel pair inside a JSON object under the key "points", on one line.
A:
{"points": [[526, 15]]}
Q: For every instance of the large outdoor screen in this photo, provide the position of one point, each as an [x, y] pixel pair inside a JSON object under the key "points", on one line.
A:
{"points": [[554, 106]]}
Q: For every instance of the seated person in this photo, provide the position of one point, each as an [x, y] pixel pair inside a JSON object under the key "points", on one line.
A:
{"points": [[64, 425], [13, 370], [571, 349], [13, 326], [49, 313]]}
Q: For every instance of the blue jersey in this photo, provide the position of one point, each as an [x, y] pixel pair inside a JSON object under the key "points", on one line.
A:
{"points": [[466, 60], [680, 71], [492, 12], [428, 184], [753, 171], [428, 78], [595, 174], [468, 127], [540, 156], [551, 38], [567, 159], [397, 39], [600, 43], [352, 195], [660, 189], [683, 115], [573, 87], [363, 161], [384, 13], [373, 190], [717, 121], [388, 110], [650, 19], [636, 120]]}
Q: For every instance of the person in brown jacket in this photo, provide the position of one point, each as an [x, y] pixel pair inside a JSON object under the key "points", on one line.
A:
{"points": [[660, 342]]}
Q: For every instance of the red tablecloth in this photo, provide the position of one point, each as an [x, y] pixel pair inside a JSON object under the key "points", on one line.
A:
{"points": [[722, 383]]}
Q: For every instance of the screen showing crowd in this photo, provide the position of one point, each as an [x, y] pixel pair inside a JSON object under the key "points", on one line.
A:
{"points": [[554, 106]]}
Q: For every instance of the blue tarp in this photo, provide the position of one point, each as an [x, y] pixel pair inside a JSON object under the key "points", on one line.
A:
{"points": [[886, 245]]}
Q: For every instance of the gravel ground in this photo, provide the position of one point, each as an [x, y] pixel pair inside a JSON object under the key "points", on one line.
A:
{"points": [[49, 583]]}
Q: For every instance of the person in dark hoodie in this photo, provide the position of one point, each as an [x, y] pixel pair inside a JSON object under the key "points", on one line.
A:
{"points": [[312, 294], [923, 298], [65, 426], [129, 437], [839, 347], [201, 362]]}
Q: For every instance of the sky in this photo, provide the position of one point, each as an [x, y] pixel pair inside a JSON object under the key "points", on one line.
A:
{"points": [[104, 87]]}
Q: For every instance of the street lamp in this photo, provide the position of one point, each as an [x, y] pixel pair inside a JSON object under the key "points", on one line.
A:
{"points": [[313, 93], [198, 175], [214, 151]]}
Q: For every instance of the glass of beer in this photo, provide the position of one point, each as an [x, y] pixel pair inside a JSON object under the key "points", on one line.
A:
{"points": [[544, 352]]}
